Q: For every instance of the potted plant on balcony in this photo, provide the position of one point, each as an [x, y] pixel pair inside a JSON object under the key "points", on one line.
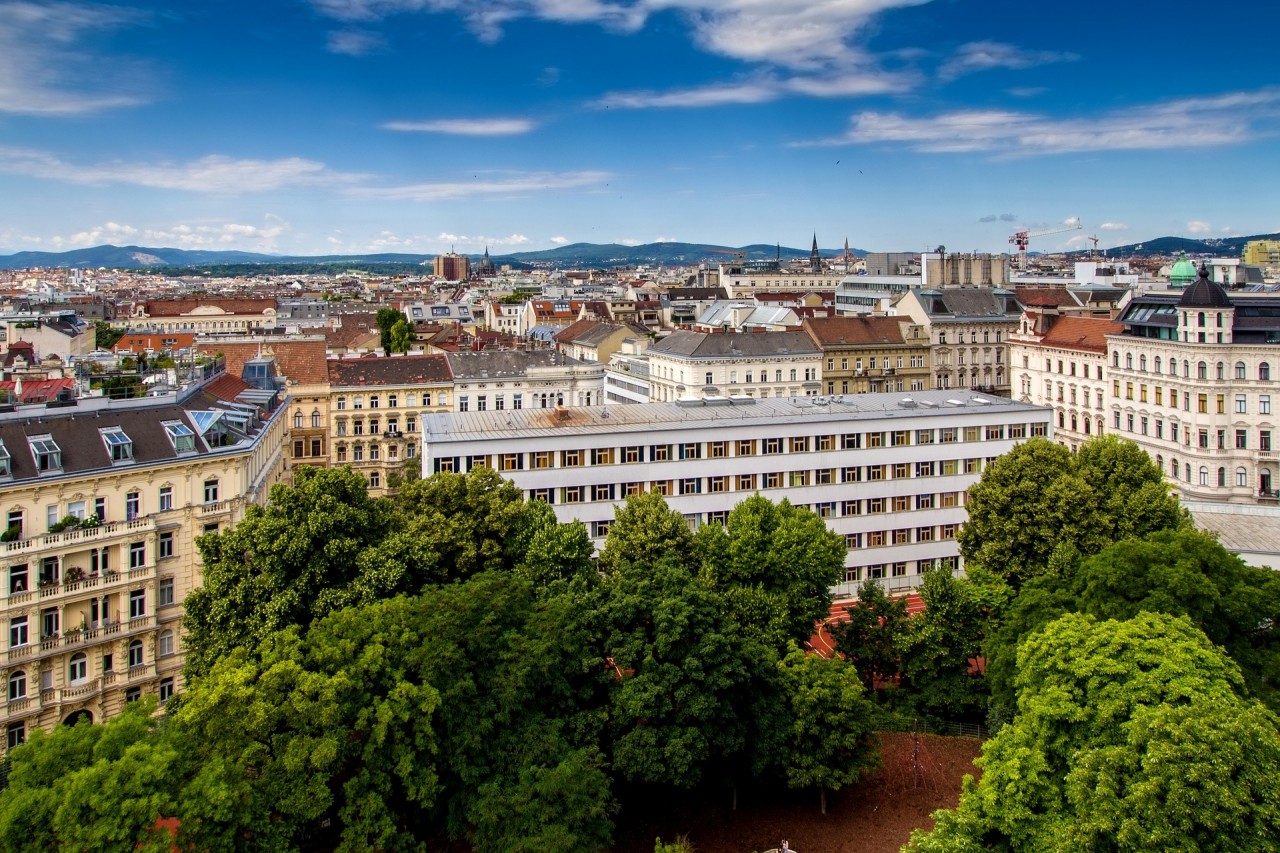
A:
{"points": [[91, 522], [74, 574], [12, 534], [68, 522]]}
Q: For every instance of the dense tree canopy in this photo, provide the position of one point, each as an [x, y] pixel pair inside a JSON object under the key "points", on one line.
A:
{"points": [[1040, 505], [1130, 735]]}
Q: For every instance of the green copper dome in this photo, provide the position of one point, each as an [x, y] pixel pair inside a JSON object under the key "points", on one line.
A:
{"points": [[1183, 273]]}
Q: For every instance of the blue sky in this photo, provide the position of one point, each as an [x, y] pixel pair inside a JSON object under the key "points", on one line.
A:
{"points": [[334, 126]]}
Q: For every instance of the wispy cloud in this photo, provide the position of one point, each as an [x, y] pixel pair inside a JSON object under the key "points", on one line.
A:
{"points": [[985, 55], [559, 240], [1002, 217], [1113, 226], [355, 42], [48, 64], [1197, 226], [212, 174], [480, 240], [1186, 123], [504, 184], [763, 89], [465, 126]]}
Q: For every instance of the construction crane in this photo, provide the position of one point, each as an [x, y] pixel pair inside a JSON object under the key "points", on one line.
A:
{"points": [[1022, 238], [1094, 241]]}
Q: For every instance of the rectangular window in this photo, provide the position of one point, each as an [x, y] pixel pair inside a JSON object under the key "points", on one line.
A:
{"points": [[572, 494], [902, 503], [632, 489], [852, 541], [662, 487], [824, 476], [691, 451], [137, 603], [718, 449], [924, 501], [745, 482], [800, 444], [603, 492], [1264, 440], [166, 689], [799, 478], [137, 555], [851, 507], [132, 504], [691, 486], [570, 458], [972, 433], [166, 498], [949, 435], [18, 633], [773, 480], [924, 436], [510, 461], [875, 439], [950, 499], [772, 446], [825, 442], [1242, 439], [718, 484], [1242, 406], [164, 593], [875, 472], [901, 470], [210, 491], [901, 438], [165, 548], [875, 506], [851, 441], [876, 539], [660, 453], [1264, 404], [746, 447], [947, 531], [851, 474]]}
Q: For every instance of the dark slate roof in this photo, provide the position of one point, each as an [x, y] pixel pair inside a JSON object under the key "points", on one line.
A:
{"points": [[984, 303], [470, 366], [753, 344], [83, 449], [394, 370], [1204, 293]]}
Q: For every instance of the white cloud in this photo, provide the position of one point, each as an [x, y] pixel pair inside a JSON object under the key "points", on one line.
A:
{"points": [[1186, 123], [212, 174], [763, 89], [1071, 221], [985, 55], [1197, 226], [504, 185], [627, 241], [560, 241], [465, 126], [480, 240], [355, 42], [1114, 226], [180, 236], [48, 64]]}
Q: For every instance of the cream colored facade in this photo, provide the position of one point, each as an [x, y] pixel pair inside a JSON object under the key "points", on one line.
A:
{"points": [[376, 429], [744, 284], [761, 365], [1065, 372], [93, 614]]}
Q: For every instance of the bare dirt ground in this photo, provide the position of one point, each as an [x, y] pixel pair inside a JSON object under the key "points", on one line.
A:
{"points": [[875, 816]]}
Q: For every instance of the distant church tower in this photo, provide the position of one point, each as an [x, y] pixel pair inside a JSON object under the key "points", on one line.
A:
{"points": [[815, 260], [485, 267]]}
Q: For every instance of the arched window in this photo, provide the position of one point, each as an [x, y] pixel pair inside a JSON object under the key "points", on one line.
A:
{"points": [[1160, 461], [1242, 476], [1204, 475], [1159, 365], [1074, 424], [1128, 361], [1222, 476], [78, 668], [17, 685], [1200, 320], [1219, 319], [297, 420], [1186, 369], [1142, 363], [342, 403], [1221, 372], [315, 418], [1264, 371], [1087, 424], [1173, 468], [1202, 370], [1240, 370], [1115, 359], [164, 644], [1061, 420], [135, 653]]}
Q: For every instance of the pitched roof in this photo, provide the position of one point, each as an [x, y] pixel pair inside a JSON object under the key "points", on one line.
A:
{"points": [[578, 329], [394, 370], [179, 307], [496, 364], [302, 361], [756, 344], [38, 390], [1087, 333], [835, 331]]}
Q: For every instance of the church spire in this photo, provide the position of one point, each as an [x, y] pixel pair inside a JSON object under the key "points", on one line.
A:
{"points": [[815, 260]]}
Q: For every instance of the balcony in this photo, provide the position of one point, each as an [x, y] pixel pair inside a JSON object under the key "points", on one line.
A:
{"points": [[54, 593], [87, 636], [81, 536], [213, 508]]}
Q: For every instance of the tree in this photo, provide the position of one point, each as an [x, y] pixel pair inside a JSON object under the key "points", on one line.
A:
{"points": [[282, 565], [401, 336], [105, 337], [775, 565], [1129, 735], [1039, 505], [386, 318], [870, 635], [830, 741], [645, 529], [940, 649]]}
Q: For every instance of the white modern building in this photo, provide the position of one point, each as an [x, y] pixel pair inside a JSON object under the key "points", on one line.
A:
{"points": [[887, 472]]}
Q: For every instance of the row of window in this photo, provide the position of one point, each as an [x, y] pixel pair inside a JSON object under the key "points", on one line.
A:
{"points": [[773, 480], [901, 569], [1069, 370], [1240, 402], [80, 509], [393, 401], [375, 452], [1240, 370], [900, 536], [1203, 438], [375, 425], [889, 362], [78, 665], [17, 731], [973, 337], [99, 616]]}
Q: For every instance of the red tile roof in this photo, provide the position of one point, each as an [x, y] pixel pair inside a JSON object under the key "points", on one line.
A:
{"points": [[834, 331], [302, 361], [179, 307], [1087, 333], [38, 390], [227, 387]]}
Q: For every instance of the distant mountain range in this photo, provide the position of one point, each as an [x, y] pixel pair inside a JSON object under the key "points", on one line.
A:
{"points": [[574, 254]]}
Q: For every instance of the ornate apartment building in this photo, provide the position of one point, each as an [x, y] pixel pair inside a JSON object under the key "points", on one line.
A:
{"points": [[969, 328], [871, 354], [888, 473], [757, 364], [1061, 362], [1193, 382], [103, 502]]}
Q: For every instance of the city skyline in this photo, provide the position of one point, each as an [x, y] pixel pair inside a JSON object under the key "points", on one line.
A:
{"points": [[331, 126]]}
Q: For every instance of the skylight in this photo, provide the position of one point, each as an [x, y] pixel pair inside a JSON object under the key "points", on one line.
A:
{"points": [[119, 445]]}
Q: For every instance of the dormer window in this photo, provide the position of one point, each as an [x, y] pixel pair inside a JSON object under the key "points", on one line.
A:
{"points": [[47, 454], [119, 445], [181, 437], [6, 461]]}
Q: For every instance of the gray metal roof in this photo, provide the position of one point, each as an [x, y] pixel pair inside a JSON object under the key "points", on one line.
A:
{"points": [[700, 345], [694, 414]]}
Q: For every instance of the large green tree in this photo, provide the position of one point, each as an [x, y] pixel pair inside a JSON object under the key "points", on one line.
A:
{"points": [[387, 318], [1130, 735], [870, 635], [1039, 507], [941, 650]]}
